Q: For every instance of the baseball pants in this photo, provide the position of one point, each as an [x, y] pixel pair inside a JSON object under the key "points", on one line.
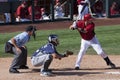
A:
{"points": [[19, 58], [84, 46]]}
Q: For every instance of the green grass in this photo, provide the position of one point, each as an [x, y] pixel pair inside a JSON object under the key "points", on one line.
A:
{"points": [[108, 37]]}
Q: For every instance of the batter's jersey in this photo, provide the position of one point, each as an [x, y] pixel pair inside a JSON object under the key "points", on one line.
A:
{"points": [[89, 28], [21, 39], [49, 48]]}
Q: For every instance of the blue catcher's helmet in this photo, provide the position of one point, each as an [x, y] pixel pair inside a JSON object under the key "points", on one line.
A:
{"points": [[53, 39]]}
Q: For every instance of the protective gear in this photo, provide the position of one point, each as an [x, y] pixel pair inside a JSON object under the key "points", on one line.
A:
{"points": [[47, 63], [87, 17], [53, 39], [69, 52], [32, 28], [34, 34]]}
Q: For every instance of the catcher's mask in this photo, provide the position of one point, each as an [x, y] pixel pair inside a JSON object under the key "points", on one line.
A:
{"points": [[53, 39], [31, 28]]}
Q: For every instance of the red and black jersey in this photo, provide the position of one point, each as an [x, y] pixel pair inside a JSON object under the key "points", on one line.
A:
{"points": [[89, 28]]}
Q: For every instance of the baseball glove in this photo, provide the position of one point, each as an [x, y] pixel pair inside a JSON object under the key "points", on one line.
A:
{"points": [[67, 53]]}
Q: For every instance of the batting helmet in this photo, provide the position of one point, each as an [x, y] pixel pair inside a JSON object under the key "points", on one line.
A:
{"points": [[53, 39], [87, 17]]}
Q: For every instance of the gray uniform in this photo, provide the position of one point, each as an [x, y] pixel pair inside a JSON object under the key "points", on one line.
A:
{"points": [[20, 59]]}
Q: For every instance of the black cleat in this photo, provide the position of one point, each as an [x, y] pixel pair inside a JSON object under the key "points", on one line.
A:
{"points": [[23, 67], [49, 70], [13, 70], [112, 65], [77, 68]]}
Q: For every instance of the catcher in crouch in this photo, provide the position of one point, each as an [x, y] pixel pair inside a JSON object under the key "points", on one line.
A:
{"points": [[44, 55], [86, 29]]}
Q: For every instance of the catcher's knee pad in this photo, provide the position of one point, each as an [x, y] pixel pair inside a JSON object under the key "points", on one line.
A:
{"points": [[50, 57], [48, 62]]}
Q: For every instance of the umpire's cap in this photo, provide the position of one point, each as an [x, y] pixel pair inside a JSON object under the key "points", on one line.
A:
{"points": [[32, 28]]}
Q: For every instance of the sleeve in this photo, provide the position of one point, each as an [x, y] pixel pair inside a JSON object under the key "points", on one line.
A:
{"points": [[80, 24], [19, 37], [18, 11], [90, 27]]}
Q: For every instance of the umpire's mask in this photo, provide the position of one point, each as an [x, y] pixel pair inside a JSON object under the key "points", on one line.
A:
{"points": [[32, 28]]}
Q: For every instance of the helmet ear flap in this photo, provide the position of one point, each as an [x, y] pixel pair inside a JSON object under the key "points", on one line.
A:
{"points": [[49, 39]]}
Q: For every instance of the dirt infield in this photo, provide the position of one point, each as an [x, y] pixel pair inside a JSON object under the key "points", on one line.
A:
{"points": [[93, 67]]}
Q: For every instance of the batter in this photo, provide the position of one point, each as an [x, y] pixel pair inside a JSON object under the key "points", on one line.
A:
{"points": [[86, 29]]}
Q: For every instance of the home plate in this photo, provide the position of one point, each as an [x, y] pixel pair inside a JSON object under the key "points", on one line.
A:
{"points": [[112, 72]]}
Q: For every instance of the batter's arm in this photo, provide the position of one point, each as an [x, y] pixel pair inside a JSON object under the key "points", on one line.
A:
{"points": [[83, 30]]}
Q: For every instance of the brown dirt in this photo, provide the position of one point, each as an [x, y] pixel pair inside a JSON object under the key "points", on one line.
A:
{"points": [[92, 66]]}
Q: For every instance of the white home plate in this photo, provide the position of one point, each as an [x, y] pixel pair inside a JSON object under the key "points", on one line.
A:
{"points": [[112, 72]]}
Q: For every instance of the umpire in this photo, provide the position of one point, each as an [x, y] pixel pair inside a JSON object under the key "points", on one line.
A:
{"points": [[16, 46]]}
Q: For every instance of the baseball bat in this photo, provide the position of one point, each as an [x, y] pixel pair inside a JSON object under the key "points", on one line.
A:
{"points": [[88, 5]]}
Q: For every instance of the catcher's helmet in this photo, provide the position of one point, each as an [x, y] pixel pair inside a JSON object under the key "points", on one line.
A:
{"points": [[53, 39], [87, 17]]}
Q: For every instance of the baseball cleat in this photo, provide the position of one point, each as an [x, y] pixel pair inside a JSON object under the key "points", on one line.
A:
{"points": [[46, 74], [23, 67], [112, 65], [13, 70], [77, 68]]}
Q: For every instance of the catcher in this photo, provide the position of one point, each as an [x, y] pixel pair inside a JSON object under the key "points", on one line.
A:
{"points": [[44, 55]]}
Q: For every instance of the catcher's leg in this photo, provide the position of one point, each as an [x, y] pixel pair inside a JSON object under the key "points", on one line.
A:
{"points": [[48, 62], [45, 71]]}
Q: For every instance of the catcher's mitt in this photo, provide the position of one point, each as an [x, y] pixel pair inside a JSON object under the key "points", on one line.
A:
{"points": [[67, 53]]}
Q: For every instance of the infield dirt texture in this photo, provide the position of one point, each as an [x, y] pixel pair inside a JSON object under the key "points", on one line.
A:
{"points": [[93, 67]]}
